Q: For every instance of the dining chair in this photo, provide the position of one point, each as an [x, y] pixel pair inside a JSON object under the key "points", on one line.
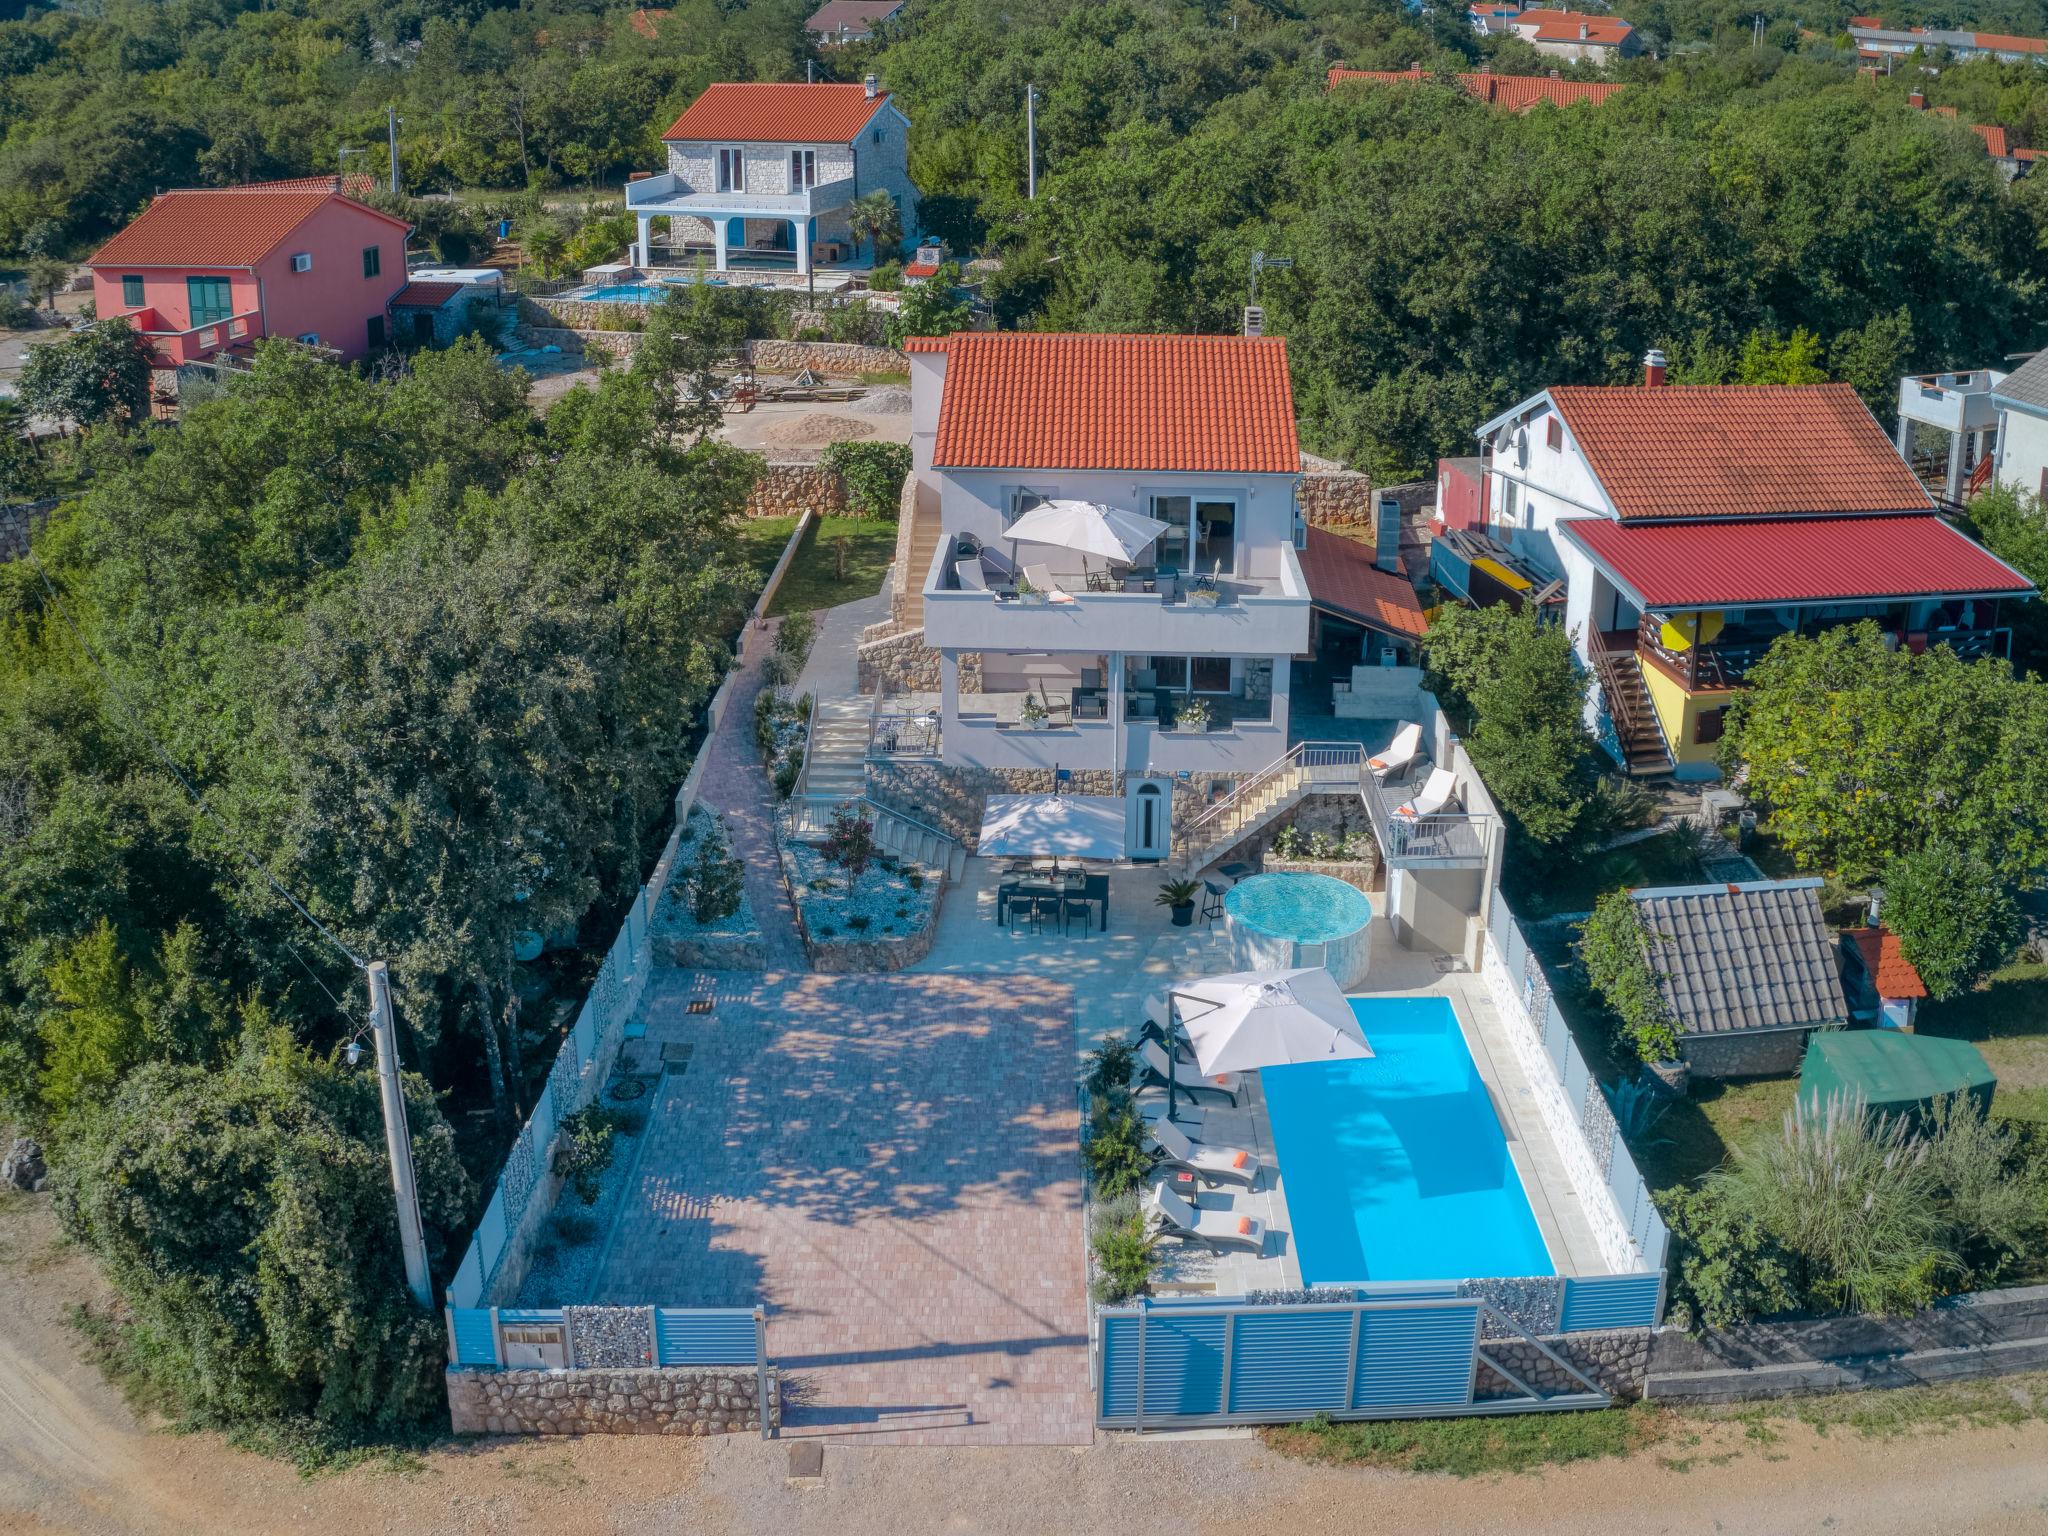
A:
{"points": [[1043, 907], [1072, 906]]}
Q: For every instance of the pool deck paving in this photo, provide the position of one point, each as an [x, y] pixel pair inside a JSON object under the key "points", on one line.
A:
{"points": [[891, 1165]]}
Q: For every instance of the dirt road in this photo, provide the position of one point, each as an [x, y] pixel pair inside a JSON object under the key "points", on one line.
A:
{"points": [[74, 1459]]}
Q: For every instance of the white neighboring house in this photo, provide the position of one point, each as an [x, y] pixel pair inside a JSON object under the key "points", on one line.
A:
{"points": [[1694, 524], [1196, 431], [769, 170], [2021, 398]]}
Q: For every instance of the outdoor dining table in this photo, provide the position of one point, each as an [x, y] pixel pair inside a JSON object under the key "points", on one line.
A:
{"points": [[1071, 884]]}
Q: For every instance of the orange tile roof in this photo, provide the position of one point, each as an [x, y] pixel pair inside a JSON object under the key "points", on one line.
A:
{"points": [[1872, 22], [1342, 576], [1037, 400], [1563, 27], [219, 226], [356, 184], [1889, 969], [2005, 42], [1994, 140], [1948, 112], [927, 343], [1511, 93], [1730, 450], [921, 269], [758, 113]]}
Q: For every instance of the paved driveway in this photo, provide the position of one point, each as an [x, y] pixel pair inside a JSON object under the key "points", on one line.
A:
{"points": [[892, 1164]]}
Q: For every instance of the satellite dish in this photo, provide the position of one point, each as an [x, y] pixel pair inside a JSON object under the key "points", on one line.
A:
{"points": [[1522, 449]]}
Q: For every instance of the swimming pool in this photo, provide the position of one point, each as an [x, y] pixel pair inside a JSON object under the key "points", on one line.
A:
{"points": [[1272, 917], [635, 293], [1396, 1168]]}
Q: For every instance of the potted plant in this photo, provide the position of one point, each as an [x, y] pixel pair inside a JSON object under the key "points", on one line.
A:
{"points": [[1032, 712], [1027, 593], [1179, 897], [1192, 715]]}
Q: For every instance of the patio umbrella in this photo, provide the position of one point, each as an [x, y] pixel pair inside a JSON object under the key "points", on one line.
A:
{"points": [[1087, 526], [1246, 1020]]}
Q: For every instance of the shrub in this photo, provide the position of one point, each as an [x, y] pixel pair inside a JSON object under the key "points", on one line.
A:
{"points": [[887, 277], [873, 474], [1111, 1066], [780, 669], [1994, 1195], [914, 878], [794, 635], [767, 710], [585, 1151], [851, 842], [1290, 843], [716, 879], [1955, 916], [1726, 1267], [1125, 1250], [1613, 946], [1115, 1150], [573, 1229], [859, 923]]}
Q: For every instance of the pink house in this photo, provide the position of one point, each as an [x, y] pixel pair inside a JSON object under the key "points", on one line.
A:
{"points": [[208, 270]]}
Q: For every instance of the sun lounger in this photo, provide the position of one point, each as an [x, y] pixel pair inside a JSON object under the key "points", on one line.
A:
{"points": [[970, 574], [1436, 794], [1152, 1067], [1213, 1229], [1212, 1165], [1400, 751]]}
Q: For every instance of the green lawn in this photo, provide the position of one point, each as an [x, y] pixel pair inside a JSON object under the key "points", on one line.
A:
{"points": [[761, 541], [1574, 887], [2007, 1019], [1474, 1446], [813, 580]]}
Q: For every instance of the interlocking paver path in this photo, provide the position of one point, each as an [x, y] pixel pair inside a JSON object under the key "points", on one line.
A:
{"points": [[736, 785], [891, 1163]]}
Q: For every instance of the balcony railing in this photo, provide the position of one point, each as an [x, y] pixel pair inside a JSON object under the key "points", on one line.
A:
{"points": [[1727, 662], [1450, 836], [197, 341], [667, 193]]}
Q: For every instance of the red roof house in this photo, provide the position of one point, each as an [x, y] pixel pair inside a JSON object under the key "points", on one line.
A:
{"points": [[758, 112], [1510, 93], [209, 270], [1591, 36], [849, 21]]}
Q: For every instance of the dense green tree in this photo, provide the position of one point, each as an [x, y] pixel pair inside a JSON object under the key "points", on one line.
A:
{"points": [[1957, 918], [93, 377]]}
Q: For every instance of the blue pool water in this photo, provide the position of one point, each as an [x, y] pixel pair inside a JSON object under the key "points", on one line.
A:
{"points": [[631, 293], [1309, 909], [1396, 1168]]}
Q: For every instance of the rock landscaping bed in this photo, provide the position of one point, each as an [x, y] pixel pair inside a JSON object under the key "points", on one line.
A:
{"points": [[729, 942], [566, 1258], [883, 923]]}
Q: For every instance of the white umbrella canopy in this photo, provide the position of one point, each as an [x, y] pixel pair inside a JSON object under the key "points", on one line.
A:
{"points": [[1087, 526], [1252, 1019]]}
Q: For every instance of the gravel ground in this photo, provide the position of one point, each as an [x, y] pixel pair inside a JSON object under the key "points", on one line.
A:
{"points": [[673, 918], [566, 1272], [884, 897]]}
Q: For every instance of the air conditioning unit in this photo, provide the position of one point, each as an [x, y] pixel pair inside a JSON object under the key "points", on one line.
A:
{"points": [[303, 262]]}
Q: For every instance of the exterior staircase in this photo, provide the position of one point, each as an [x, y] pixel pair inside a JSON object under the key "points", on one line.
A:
{"points": [[838, 762], [924, 539], [1310, 767], [1644, 753]]}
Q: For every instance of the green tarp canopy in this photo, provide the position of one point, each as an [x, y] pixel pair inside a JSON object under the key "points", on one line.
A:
{"points": [[1893, 1073]]}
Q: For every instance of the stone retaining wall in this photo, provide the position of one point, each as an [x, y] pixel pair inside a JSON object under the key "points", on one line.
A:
{"points": [[841, 359], [1618, 1361], [713, 952], [1349, 500], [842, 957], [898, 661], [618, 345], [1363, 873], [20, 523], [786, 490], [583, 314], [655, 1400]]}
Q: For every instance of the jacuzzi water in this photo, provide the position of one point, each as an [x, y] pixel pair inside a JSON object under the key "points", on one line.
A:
{"points": [[1396, 1168], [1309, 909]]}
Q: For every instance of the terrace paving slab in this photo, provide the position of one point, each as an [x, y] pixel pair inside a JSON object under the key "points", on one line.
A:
{"points": [[892, 1165]]}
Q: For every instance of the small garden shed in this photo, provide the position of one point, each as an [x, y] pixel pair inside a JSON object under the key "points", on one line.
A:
{"points": [[1892, 1072]]}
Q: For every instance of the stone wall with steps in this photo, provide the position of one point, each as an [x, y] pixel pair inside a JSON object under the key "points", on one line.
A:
{"points": [[787, 490], [1618, 1360], [656, 1400]]}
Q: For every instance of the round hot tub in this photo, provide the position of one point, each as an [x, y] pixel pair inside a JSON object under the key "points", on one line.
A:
{"points": [[1284, 920]]}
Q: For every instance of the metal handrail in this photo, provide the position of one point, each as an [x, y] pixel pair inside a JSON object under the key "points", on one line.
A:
{"points": [[803, 774], [1340, 753]]}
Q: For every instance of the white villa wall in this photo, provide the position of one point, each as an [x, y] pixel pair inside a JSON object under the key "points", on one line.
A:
{"points": [[1556, 483], [2022, 450]]}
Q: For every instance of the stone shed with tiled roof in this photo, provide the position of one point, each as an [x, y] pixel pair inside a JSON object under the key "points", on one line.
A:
{"points": [[1747, 971]]}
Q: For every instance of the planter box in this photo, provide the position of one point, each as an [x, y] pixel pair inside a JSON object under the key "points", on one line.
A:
{"points": [[838, 956]]}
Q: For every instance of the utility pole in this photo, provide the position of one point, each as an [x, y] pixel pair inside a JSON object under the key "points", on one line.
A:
{"points": [[397, 1137], [1031, 142], [341, 158], [391, 114]]}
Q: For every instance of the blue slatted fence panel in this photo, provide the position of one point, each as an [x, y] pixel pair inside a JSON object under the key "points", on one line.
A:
{"points": [[585, 1034], [1183, 1365], [1575, 1078], [1415, 1357], [1609, 1301], [467, 1288], [1119, 1385], [476, 1342], [722, 1336], [1557, 1040], [522, 1317], [490, 1232], [1290, 1362]]}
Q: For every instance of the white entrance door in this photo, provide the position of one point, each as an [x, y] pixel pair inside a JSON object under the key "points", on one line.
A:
{"points": [[1151, 820]]}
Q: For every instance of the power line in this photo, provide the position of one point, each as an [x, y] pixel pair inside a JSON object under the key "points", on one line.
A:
{"points": [[198, 800]]}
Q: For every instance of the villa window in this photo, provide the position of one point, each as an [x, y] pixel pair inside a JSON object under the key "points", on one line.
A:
{"points": [[803, 169], [1553, 434], [1508, 504], [1209, 674], [209, 299], [732, 170], [373, 260], [1020, 499], [1201, 533], [131, 292]]}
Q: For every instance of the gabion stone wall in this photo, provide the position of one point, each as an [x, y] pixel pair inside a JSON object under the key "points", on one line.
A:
{"points": [[675, 1400], [610, 1337]]}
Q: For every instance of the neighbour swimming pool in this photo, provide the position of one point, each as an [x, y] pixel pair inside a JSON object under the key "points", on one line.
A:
{"points": [[1396, 1167], [635, 293]]}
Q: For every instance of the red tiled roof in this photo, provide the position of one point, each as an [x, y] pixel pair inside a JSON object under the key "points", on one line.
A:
{"points": [[1889, 969], [1712, 450], [219, 226], [1040, 400], [2007, 43], [854, 18], [921, 269], [1341, 576], [1563, 27], [927, 343], [356, 184], [425, 295], [2026, 154], [1948, 112], [645, 22], [1722, 563], [1994, 140], [1511, 93], [758, 112], [1872, 22]]}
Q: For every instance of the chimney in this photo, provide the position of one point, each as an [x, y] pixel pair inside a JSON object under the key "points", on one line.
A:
{"points": [[1584, 31], [1386, 544], [1486, 68], [1653, 368], [1917, 101], [1555, 75], [873, 85]]}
